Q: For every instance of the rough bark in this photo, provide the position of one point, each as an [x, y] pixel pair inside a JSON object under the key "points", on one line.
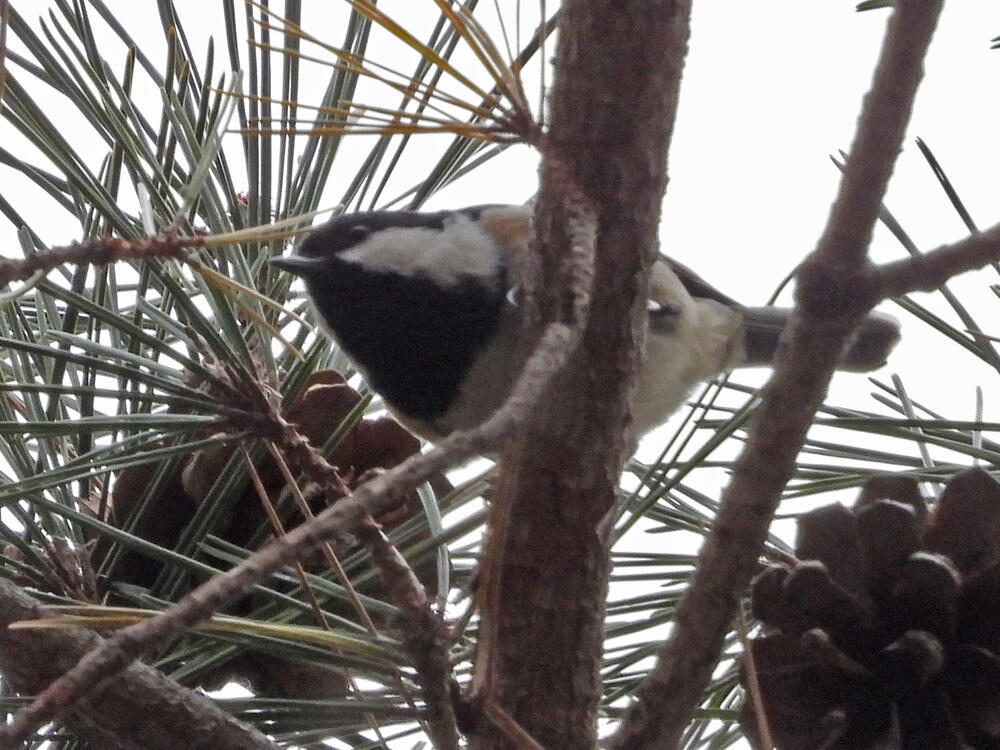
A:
{"points": [[545, 577], [138, 708]]}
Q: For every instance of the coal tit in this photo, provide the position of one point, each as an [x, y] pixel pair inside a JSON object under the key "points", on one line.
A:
{"points": [[422, 304]]}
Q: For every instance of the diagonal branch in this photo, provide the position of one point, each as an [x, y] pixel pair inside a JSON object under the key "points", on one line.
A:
{"points": [[834, 292], [139, 708], [927, 272]]}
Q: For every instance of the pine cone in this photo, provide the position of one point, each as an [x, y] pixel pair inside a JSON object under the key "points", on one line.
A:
{"points": [[886, 631]]}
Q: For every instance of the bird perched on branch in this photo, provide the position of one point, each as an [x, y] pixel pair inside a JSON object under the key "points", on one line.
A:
{"points": [[423, 304]]}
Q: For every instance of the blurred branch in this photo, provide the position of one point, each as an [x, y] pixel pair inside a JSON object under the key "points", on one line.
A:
{"points": [[423, 632], [140, 708], [925, 273], [833, 295]]}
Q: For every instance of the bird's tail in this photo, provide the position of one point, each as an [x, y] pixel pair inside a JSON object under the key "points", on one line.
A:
{"points": [[866, 349]]}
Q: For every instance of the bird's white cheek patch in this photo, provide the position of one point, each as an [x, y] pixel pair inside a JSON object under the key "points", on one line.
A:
{"points": [[460, 251]]}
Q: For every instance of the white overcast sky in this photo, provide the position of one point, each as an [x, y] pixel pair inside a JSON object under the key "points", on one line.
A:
{"points": [[771, 89]]}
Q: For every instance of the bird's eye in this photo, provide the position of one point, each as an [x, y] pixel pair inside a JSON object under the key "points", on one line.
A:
{"points": [[358, 233], [663, 317], [662, 309]]}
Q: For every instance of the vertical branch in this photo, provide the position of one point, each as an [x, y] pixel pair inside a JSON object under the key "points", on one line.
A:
{"points": [[545, 574], [835, 290]]}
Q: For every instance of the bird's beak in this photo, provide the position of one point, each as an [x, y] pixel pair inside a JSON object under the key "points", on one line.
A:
{"points": [[297, 264]]}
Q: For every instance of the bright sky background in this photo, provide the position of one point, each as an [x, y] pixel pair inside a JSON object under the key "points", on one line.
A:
{"points": [[770, 91]]}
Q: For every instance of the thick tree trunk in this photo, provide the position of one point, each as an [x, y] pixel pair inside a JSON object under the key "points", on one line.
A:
{"points": [[545, 577]]}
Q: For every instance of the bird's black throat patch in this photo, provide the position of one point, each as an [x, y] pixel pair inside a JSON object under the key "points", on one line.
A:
{"points": [[415, 339]]}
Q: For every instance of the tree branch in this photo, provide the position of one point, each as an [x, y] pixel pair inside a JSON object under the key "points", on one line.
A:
{"points": [[100, 251], [927, 272], [544, 574], [140, 708], [881, 127], [833, 294]]}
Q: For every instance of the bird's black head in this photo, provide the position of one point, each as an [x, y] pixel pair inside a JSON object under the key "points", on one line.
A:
{"points": [[351, 230], [411, 297]]}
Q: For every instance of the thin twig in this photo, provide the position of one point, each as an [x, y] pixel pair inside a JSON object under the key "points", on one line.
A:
{"points": [[300, 573], [752, 681], [100, 251], [510, 728], [279, 530], [326, 549], [425, 635]]}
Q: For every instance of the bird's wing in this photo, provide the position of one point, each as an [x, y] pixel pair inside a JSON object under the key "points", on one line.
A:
{"points": [[697, 286]]}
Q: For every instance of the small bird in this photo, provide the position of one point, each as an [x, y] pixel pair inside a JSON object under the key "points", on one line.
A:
{"points": [[425, 305]]}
